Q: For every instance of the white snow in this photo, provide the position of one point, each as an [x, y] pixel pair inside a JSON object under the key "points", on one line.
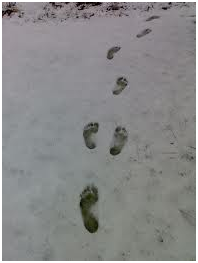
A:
{"points": [[56, 79]]}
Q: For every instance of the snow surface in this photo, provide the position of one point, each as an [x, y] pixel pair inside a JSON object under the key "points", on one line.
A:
{"points": [[56, 79]]}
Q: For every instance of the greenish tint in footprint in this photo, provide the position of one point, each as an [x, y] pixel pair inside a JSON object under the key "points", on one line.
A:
{"points": [[112, 51], [88, 199], [121, 84], [119, 139], [88, 133], [144, 32]]}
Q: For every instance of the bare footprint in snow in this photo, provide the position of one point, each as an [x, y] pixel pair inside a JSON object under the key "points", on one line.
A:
{"points": [[88, 199], [88, 133], [112, 51], [121, 84], [119, 139], [144, 32], [152, 18]]}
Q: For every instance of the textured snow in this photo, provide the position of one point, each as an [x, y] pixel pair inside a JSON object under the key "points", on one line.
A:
{"points": [[56, 79]]}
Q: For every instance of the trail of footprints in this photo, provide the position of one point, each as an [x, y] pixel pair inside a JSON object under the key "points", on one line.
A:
{"points": [[90, 196]]}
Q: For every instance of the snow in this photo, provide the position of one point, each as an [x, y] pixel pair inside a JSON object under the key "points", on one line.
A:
{"points": [[56, 79]]}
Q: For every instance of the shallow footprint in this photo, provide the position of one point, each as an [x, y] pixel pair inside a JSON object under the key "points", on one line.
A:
{"points": [[144, 32], [121, 84], [112, 51], [152, 18], [119, 139], [88, 133], [88, 198]]}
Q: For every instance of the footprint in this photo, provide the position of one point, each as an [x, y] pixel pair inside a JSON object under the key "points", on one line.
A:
{"points": [[119, 139], [152, 18], [87, 199], [121, 83], [88, 133], [112, 51], [144, 32]]}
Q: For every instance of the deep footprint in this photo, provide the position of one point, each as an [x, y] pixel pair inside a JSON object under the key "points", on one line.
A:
{"points": [[144, 32], [88, 198], [112, 51], [119, 140], [121, 84], [152, 18], [88, 133]]}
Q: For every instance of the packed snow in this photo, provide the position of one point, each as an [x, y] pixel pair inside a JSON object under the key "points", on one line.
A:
{"points": [[56, 80]]}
